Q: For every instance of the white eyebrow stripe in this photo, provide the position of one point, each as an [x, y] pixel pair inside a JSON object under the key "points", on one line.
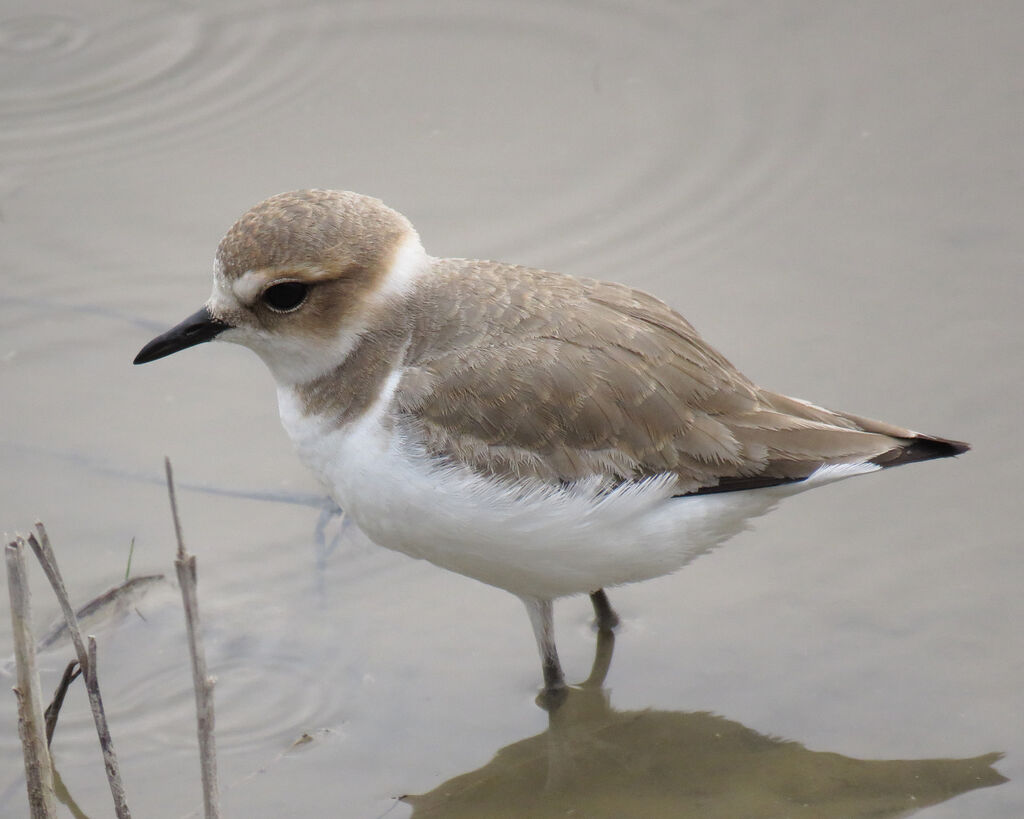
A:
{"points": [[248, 286]]}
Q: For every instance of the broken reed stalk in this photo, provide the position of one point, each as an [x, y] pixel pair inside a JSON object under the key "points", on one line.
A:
{"points": [[87, 660], [71, 673], [31, 729], [185, 565]]}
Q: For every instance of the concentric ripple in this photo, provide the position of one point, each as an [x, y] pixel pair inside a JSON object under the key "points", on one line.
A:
{"points": [[263, 701], [273, 682], [47, 34], [623, 127], [119, 78]]}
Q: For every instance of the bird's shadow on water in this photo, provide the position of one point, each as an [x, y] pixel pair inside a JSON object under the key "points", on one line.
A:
{"points": [[596, 761]]}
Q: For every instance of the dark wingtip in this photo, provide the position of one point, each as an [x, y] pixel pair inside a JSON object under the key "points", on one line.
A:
{"points": [[910, 450], [922, 448]]}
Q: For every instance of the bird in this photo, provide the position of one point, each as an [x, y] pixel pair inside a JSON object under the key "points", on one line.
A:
{"points": [[546, 434]]}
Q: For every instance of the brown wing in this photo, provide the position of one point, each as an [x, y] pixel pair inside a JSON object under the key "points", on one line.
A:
{"points": [[530, 373]]}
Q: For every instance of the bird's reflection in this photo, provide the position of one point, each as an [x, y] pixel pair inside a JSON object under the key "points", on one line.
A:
{"points": [[595, 761]]}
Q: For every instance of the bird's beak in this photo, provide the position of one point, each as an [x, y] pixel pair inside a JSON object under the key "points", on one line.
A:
{"points": [[197, 328]]}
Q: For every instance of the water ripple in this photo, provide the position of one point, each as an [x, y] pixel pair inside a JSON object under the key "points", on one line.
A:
{"points": [[51, 34], [262, 701], [136, 75], [621, 120]]}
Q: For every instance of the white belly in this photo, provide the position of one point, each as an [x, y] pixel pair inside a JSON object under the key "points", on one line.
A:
{"points": [[531, 539]]}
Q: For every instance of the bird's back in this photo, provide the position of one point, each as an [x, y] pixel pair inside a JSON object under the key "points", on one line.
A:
{"points": [[519, 373]]}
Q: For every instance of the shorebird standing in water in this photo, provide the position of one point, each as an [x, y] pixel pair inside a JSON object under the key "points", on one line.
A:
{"points": [[545, 434]]}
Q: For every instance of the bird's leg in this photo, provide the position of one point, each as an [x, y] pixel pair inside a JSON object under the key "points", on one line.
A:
{"points": [[540, 612], [328, 511], [604, 615]]}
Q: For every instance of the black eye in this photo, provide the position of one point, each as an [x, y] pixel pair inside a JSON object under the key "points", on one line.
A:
{"points": [[285, 296]]}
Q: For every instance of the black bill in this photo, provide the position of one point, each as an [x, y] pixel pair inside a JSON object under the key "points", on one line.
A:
{"points": [[196, 329]]}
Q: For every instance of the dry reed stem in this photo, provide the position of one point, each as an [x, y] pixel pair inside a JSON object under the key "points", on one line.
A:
{"points": [[31, 728], [87, 660], [185, 565]]}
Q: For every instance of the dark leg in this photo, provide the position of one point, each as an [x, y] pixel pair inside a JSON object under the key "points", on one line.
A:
{"points": [[605, 617], [544, 631]]}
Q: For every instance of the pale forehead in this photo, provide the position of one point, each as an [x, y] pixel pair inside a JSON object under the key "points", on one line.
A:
{"points": [[223, 299], [241, 291]]}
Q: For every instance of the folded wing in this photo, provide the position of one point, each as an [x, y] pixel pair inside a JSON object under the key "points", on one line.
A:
{"points": [[563, 379]]}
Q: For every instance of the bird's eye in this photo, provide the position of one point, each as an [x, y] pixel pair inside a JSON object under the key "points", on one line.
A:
{"points": [[286, 296]]}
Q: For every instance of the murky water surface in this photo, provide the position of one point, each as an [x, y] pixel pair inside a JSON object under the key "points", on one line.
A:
{"points": [[832, 193]]}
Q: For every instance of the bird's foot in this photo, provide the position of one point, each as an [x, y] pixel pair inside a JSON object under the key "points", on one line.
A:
{"points": [[551, 697]]}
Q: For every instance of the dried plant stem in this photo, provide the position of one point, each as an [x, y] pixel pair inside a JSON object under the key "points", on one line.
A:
{"points": [[185, 564], [71, 673], [31, 729], [87, 660]]}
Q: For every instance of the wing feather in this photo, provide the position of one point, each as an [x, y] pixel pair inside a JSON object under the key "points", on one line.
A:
{"points": [[524, 373]]}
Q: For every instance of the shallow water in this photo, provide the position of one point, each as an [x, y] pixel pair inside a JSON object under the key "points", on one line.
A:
{"points": [[831, 193]]}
